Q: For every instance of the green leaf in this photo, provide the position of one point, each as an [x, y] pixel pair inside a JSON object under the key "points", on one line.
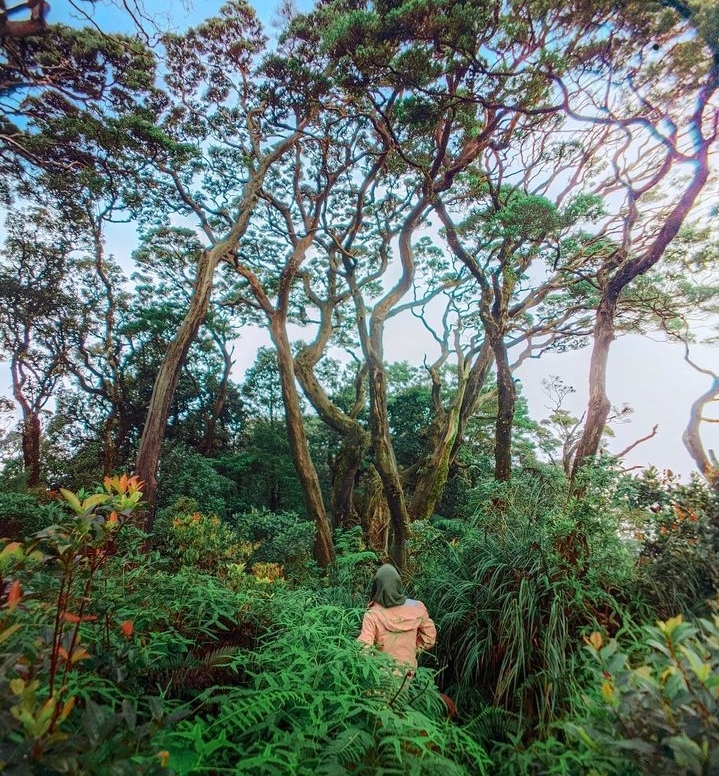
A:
{"points": [[92, 501], [72, 500], [686, 753]]}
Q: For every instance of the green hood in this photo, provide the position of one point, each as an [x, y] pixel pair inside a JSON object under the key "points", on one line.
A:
{"points": [[386, 587]]}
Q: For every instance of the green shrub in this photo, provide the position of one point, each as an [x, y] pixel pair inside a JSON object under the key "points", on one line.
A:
{"points": [[660, 712], [677, 544], [57, 714], [283, 537], [184, 473], [21, 515], [203, 541], [530, 573]]}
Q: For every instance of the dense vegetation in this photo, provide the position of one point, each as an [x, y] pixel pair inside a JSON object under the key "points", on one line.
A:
{"points": [[185, 553]]}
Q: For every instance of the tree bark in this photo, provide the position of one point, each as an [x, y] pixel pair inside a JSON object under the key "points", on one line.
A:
{"points": [[387, 463], [373, 511], [445, 438], [705, 461], [477, 378], [208, 437], [355, 439], [599, 405], [345, 468], [31, 433], [507, 399], [158, 410], [306, 472]]}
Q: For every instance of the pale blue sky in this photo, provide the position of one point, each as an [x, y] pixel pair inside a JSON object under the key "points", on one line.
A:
{"points": [[174, 15]]}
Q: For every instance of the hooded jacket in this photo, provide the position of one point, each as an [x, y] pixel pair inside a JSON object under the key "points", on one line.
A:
{"points": [[396, 625]]}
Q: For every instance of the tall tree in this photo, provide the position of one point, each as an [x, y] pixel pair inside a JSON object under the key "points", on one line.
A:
{"points": [[37, 312], [229, 136], [668, 108]]}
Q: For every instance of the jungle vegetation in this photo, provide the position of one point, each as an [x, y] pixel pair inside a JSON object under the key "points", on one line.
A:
{"points": [[185, 552]]}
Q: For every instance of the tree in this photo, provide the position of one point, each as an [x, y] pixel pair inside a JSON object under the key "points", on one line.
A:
{"points": [[669, 175], [218, 110], [61, 95], [524, 245], [37, 312]]}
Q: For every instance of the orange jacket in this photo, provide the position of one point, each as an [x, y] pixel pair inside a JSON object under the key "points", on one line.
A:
{"points": [[399, 631]]}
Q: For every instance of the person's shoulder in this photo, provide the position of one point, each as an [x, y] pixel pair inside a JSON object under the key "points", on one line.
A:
{"points": [[414, 602]]}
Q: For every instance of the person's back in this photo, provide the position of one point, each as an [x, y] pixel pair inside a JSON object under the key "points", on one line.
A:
{"points": [[396, 625]]}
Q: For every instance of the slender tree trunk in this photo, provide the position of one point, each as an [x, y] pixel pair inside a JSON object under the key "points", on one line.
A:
{"points": [[355, 439], [153, 432], [373, 511], [599, 404], [31, 427], [345, 468], [306, 472], [387, 463], [507, 399], [706, 461], [431, 477], [208, 437], [477, 378], [626, 270], [31, 433]]}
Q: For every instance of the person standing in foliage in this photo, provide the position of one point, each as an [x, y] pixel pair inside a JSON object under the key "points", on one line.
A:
{"points": [[396, 625]]}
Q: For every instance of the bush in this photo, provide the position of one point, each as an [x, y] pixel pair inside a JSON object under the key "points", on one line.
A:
{"points": [[510, 598], [281, 537], [660, 712], [678, 544], [184, 473], [57, 715], [202, 541], [21, 515]]}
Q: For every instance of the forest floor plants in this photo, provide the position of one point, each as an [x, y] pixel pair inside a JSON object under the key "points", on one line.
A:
{"points": [[316, 703], [512, 598], [58, 715]]}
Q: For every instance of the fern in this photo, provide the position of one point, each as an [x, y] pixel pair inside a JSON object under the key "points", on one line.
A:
{"points": [[315, 703]]}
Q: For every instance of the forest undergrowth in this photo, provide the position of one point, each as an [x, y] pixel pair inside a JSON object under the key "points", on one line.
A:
{"points": [[577, 635]]}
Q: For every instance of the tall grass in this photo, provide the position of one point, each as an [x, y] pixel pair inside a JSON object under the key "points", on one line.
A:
{"points": [[511, 603]]}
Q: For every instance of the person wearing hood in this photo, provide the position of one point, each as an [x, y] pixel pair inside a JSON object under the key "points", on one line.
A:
{"points": [[396, 625]]}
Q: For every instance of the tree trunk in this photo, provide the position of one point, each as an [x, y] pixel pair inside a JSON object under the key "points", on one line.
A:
{"points": [[507, 398], [355, 439], [387, 464], [153, 432], [306, 472], [477, 378], [345, 468], [31, 432], [373, 511], [431, 477], [705, 461], [628, 268], [599, 404], [31, 427], [208, 437]]}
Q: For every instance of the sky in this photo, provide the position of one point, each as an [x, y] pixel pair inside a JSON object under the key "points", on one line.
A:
{"points": [[650, 376]]}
